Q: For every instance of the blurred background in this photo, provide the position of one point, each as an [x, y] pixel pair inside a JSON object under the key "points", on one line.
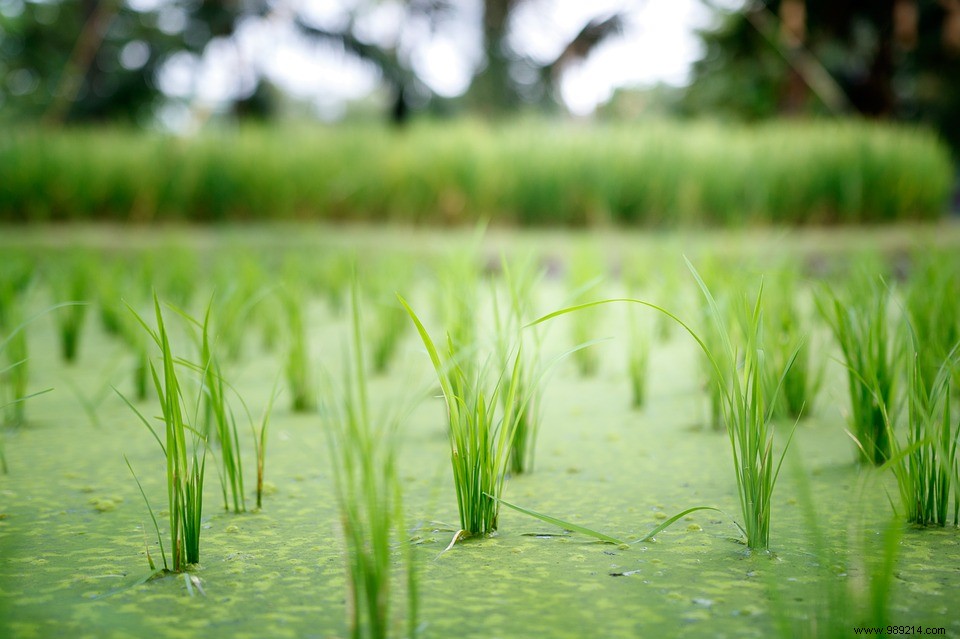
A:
{"points": [[186, 66]]}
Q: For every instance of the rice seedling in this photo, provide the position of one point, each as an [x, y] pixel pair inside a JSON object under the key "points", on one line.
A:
{"points": [[219, 415], [72, 286], [302, 395], [746, 407], [853, 586], [184, 449], [860, 324], [586, 273], [363, 453], [108, 286], [712, 324], [520, 280], [926, 464], [480, 435], [260, 443], [388, 323], [787, 328], [934, 309], [638, 360], [14, 376]]}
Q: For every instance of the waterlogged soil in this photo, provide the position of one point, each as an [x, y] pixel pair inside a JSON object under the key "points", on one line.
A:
{"points": [[74, 529]]}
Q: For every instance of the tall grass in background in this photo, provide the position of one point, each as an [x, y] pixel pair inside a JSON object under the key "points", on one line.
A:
{"points": [[860, 322], [528, 173], [184, 448], [363, 453]]}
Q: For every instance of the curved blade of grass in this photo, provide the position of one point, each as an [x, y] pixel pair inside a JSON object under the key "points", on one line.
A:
{"points": [[650, 535], [566, 525], [156, 525], [684, 325], [142, 419]]}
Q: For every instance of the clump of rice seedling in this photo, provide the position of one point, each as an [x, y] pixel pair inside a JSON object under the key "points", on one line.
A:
{"points": [[787, 327], [934, 309], [638, 360], [926, 465], [388, 323], [853, 585], [15, 374], [520, 280], [746, 407], [185, 450], [173, 271], [72, 286], [480, 435], [860, 323], [219, 415], [586, 273], [303, 398], [363, 457], [711, 327]]}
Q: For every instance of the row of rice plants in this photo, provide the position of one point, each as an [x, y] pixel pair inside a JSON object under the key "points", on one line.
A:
{"points": [[488, 389], [531, 173]]}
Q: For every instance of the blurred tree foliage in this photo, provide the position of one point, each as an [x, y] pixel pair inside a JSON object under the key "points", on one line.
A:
{"points": [[888, 59], [506, 80], [83, 60]]}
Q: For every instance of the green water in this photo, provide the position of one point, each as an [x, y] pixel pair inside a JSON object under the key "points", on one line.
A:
{"points": [[72, 523]]}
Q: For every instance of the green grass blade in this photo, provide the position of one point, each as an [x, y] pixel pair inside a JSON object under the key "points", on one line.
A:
{"points": [[566, 525]]}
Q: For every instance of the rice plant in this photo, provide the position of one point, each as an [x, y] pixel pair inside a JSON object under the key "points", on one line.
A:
{"points": [[586, 273], [218, 414], [926, 464], [480, 433], [363, 454], [746, 406], [299, 378], [386, 326], [854, 584], [71, 286], [860, 323], [520, 280], [638, 360], [14, 371], [184, 449], [934, 309], [787, 328]]}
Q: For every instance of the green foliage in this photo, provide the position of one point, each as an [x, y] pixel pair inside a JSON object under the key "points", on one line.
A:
{"points": [[934, 308], [363, 455], [480, 435], [530, 173], [299, 379], [71, 283], [520, 280], [926, 464], [861, 325], [587, 271], [184, 449], [745, 404], [638, 361], [786, 326]]}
